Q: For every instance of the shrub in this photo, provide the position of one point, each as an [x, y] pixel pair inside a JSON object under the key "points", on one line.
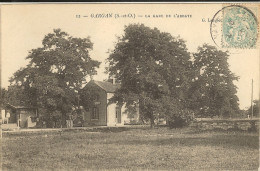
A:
{"points": [[180, 121]]}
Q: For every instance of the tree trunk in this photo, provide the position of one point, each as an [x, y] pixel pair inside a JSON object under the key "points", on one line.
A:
{"points": [[63, 119], [152, 121]]}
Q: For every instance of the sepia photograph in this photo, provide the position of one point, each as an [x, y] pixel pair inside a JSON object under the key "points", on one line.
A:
{"points": [[129, 86]]}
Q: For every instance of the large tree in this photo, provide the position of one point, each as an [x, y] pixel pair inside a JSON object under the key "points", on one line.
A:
{"points": [[15, 95], [152, 67], [55, 73], [213, 92]]}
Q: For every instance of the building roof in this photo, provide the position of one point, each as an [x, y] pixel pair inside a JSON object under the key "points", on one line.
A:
{"points": [[107, 86]]}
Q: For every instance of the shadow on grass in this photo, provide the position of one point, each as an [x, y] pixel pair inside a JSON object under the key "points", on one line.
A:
{"points": [[219, 130], [97, 129], [227, 141], [46, 132]]}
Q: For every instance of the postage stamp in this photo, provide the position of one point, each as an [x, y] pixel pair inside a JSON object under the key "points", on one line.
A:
{"points": [[235, 27], [239, 28]]}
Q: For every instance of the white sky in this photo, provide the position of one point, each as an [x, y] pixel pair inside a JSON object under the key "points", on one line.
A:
{"points": [[23, 27]]}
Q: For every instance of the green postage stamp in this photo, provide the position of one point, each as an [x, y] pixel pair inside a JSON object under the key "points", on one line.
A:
{"points": [[239, 27]]}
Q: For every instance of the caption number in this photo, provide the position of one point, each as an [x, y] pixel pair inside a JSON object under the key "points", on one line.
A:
{"points": [[77, 16]]}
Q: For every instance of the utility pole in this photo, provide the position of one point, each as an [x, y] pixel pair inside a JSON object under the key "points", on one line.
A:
{"points": [[252, 110]]}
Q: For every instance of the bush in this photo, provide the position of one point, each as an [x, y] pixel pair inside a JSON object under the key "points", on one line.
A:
{"points": [[179, 121]]}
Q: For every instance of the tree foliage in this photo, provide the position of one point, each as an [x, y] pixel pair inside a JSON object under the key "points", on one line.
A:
{"points": [[157, 72], [255, 109], [16, 96], [150, 65], [213, 91], [56, 72], [3, 99]]}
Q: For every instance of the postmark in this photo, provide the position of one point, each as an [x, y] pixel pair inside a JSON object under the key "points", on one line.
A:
{"points": [[238, 28]]}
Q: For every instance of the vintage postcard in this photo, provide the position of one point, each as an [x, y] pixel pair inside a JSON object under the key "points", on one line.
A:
{"points": [[118, 86]]}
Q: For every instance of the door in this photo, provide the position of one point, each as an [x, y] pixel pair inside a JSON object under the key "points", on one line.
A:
{"points": [[118, 114]]}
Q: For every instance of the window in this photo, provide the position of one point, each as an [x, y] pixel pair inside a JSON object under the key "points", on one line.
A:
{"points": [[95, 113], [96, 97], [118, 114]]}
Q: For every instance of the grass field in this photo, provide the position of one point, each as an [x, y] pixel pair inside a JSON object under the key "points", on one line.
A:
{"points": [[136, 149]]}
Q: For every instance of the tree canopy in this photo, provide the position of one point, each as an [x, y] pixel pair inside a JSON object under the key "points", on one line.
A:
{"points": [[157, 72], [56, 72], [213, 91], [150, 65]]}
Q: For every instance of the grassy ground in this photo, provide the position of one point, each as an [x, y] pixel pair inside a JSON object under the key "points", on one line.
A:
{"points": [[135, 149]]}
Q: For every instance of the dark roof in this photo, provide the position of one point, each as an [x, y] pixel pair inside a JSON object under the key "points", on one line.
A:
{"points": [[107, 86]]}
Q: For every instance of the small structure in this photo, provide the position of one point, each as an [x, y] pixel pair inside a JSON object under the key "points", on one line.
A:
{"points": [[24, 117], [99, 110]]}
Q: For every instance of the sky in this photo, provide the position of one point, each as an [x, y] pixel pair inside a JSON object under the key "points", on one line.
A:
{"points": [[23, 28]]}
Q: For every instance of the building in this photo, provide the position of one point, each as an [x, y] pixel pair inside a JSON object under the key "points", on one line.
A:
{"points": [[21, 116], [99, 110]]}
